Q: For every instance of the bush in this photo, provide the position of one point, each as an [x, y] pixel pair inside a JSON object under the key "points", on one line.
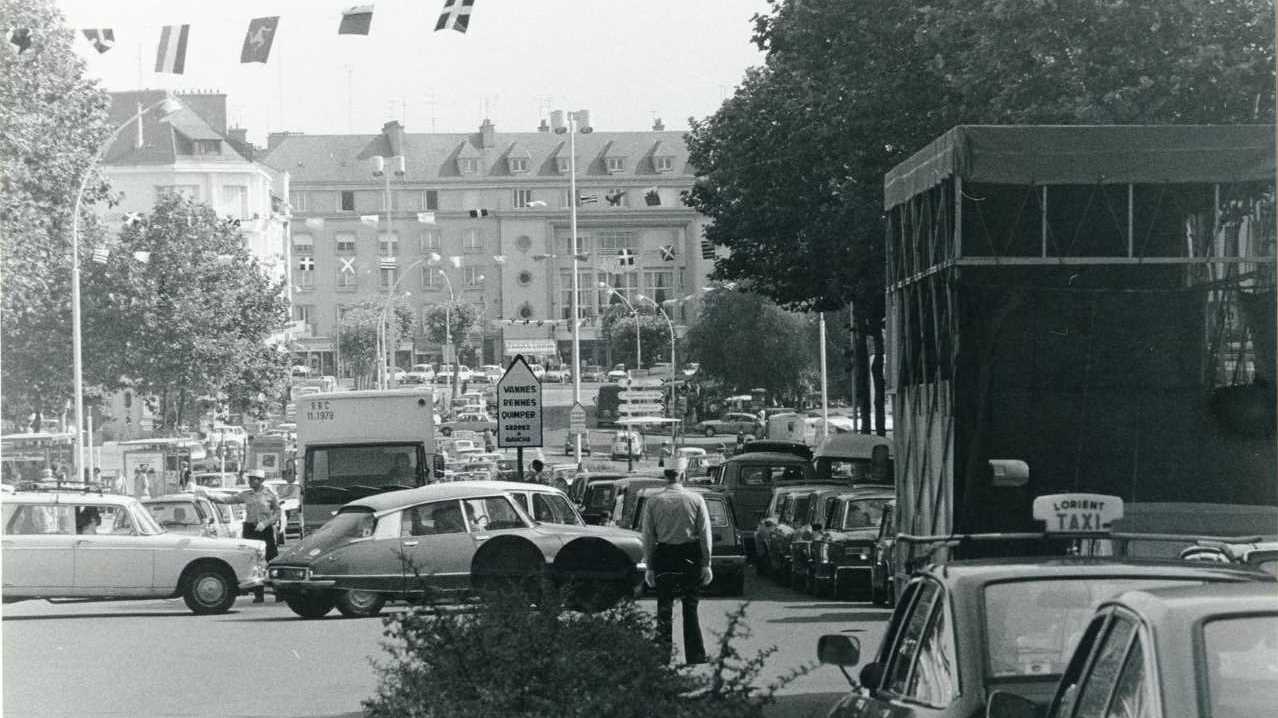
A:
{"points": [[505, 658]]}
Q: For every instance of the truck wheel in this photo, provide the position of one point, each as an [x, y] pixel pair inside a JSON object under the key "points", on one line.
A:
{"points": [[360, 604], [709, 431], [316, 605], [209, 590]]}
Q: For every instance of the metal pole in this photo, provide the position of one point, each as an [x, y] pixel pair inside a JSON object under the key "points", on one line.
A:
{"points": [[388, 357], [638, 341], [576, 288], [825, 400]]}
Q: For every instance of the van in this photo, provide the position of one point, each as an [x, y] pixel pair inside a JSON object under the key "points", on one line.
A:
{"points": [[748, 480], [608, 405], [855, 459]]}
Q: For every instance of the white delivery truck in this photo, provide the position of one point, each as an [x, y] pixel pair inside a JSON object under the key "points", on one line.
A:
{"points": [[354, 444]]}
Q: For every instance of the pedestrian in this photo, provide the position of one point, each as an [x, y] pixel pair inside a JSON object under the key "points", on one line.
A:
{"points": [[184, 479], [153, 487], [666, 451], [539, 473], [261, 517], [490, 442], [676, 547], [740, 442]]}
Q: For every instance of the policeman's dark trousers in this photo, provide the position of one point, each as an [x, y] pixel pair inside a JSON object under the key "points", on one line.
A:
{"points": [[678, 573], [250, 532]]}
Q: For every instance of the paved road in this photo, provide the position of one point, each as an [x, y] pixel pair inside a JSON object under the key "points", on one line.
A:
{"points": [[154, 658]]}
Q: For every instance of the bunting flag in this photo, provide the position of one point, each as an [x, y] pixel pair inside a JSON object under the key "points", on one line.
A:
{"points": [[587, 198], [456, 261], [387, 263], [170, 56], [668, 252], [455, 13], [316, 223], [626, 259], [477, 213], [368, 219], [536, 203], [356, 20], [22, 38], [614, 197], [101, 253], [258, 39], [103, 39], [652, 197], [348, 265], [306, 264], [426, 217]]}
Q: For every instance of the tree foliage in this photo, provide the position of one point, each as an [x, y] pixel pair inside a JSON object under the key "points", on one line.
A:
{"points": [[620, 326], [357, 335], [746, 341], [52, 122], [453, 322], [192, 320]]}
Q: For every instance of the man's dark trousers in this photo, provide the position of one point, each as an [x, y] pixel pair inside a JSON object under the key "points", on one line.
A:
{"points": [[250, 532], [678, 573]]}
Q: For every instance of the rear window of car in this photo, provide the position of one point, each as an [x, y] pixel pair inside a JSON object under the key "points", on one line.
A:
{"points": [[173, 514], [1032, 626], [599, 496], [718, 513]]}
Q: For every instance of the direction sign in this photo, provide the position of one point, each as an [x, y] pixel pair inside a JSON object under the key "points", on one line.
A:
{"points": [[577, 419], [636, 408], [641, 382], [641, 395], [518, 406]]}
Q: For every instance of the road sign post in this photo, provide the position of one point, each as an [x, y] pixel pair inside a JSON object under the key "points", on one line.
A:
{"points": [[577, 426], [519, 409]]}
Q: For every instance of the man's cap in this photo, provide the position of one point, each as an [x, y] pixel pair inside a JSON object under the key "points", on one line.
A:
{"points": [[672, 473], [255, 474]]}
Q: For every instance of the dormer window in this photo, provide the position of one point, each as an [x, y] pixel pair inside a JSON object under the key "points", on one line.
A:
{"points": [[663, 164], [468, 165], [517, 165], [561, 165], [207, 147], [616, 164]]}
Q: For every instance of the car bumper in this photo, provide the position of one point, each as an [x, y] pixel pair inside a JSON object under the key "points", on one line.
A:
{"points": [[729, 565], [842, 578]]}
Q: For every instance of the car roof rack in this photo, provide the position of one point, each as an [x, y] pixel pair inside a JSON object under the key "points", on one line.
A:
{"points": [[65, 487], [936, 542]]}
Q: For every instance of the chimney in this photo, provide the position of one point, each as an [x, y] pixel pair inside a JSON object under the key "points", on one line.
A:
{"points": [[658, 125], [394, 134], [238, 137], [543, 127], [487, 134]]}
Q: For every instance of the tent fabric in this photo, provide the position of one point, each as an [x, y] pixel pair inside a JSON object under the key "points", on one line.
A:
{"points": [[1086, 154]]}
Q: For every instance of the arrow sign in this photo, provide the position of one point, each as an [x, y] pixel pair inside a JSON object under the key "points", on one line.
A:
{"points": [[642, 382], [577, 419], [639, 408], [518, 406], [649, 395]]}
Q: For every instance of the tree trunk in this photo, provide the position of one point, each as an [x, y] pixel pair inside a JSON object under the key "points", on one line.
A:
{"points": [[861, 378], [880, 386]]}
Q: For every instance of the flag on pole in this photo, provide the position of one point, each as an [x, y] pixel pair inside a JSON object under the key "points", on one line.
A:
{"points": [[587, 198], [426, 217], [456, 260], [356, 20], [614, 197], [456, 13], [306, 264], [101, 253], [652, 197], [22, 38], [348, 265], [258, 39], [316, 223], [103, 39], [170, 56], [368, 219], [667, 252], [387, 263]]}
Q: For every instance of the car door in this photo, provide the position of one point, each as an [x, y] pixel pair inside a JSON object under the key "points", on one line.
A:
{"points": [[38, 549], [437, 547], [117, 559]]}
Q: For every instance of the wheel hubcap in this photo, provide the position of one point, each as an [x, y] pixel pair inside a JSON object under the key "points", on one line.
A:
{"points": [[361, 599], [209, 590]]}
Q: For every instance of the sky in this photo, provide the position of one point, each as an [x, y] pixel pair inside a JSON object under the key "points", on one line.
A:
{"points": [[627, 61]]}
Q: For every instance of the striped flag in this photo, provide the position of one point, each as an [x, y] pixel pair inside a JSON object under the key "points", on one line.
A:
{"points": [[587, 198], [387, 263], [356, 20], [170, 57], [101, 253], [258, 39], [455, 13], [103, 39]]}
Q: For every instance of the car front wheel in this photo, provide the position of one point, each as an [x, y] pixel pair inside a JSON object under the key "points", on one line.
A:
{"points": [[209, 590], [310, 605], [360, 604]]}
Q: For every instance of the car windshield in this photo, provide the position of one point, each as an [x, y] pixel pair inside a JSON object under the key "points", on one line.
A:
{"points": [[175, 514], [1241, 658], [599, 496], [349, 524], [864, 514], [338, 474], [1031, 626]]}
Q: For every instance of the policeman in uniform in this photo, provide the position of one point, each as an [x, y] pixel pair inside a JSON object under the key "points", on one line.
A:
{"points": [[676, 546]]}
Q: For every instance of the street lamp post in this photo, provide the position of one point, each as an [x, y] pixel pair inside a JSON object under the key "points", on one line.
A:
{"points": [[635, 313], [572, 129], [825, 403], [169, 104]]}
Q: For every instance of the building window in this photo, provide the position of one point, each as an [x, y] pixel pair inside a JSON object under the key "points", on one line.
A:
{"points": [[563, 245], [525, 278], [523, 197], [523, 243], [563, 164], [430, 199], [430, 277], [303, 244], [468, 166], [626, 284], [472, 277], [305, 313], [298, 201], [616, 164], [304, 261], [348, 200], [586, 290], [235, 200], [206, 147], [386, 278], [518, 165], [663, 164], [472, 242], [613, 241], [525, 311], [429, 241], [660, 285], [388, 245]]}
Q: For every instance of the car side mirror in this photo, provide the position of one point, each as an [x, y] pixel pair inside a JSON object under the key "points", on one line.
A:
{"points": [[837, 649], [1010, 705]]}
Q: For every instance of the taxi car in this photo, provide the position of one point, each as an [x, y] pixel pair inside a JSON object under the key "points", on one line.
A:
{"points": [[966, 628], [50, 551], [448, 541], [1192, 652], [844, 553], [191, 515]]}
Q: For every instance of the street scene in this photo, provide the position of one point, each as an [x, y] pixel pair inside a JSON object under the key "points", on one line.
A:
{"points": [[774, 358]]}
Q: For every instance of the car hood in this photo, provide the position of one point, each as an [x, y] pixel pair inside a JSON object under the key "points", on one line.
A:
{"points": [[608, 532], [310, 548], [209, 543]]}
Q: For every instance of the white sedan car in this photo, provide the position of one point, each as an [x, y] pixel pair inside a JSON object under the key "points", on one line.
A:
{"points": [[75, 545]]}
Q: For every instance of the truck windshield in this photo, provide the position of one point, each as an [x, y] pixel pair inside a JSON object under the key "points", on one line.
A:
{"points": [[338, 474]]}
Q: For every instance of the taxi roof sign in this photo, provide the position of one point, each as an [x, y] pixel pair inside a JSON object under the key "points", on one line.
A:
{"points": [[1077, 512]]}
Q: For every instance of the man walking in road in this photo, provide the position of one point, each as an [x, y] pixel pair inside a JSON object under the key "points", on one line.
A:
{"points": [[261, 515], [539, 475], [676, 547]]}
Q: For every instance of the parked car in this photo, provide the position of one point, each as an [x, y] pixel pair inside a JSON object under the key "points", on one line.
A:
{"points": [[748, 479], [1196, 651], [593, 373], [492, 371], [419, 374], [548, 505], [450, 539], [731, 424], [191, 515], [789, 513], [883, 570], [570, 444], [617, 373], [469, 421], [964, 628], [844, 553], [626, 445], [53, 550], [727, 554], [538, 370]]}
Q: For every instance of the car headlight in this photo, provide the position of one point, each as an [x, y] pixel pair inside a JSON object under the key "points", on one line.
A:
{"points": [[290, 573]]}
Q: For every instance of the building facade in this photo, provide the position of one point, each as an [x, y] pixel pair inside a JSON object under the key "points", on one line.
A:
{"points": [[483, 218]]}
